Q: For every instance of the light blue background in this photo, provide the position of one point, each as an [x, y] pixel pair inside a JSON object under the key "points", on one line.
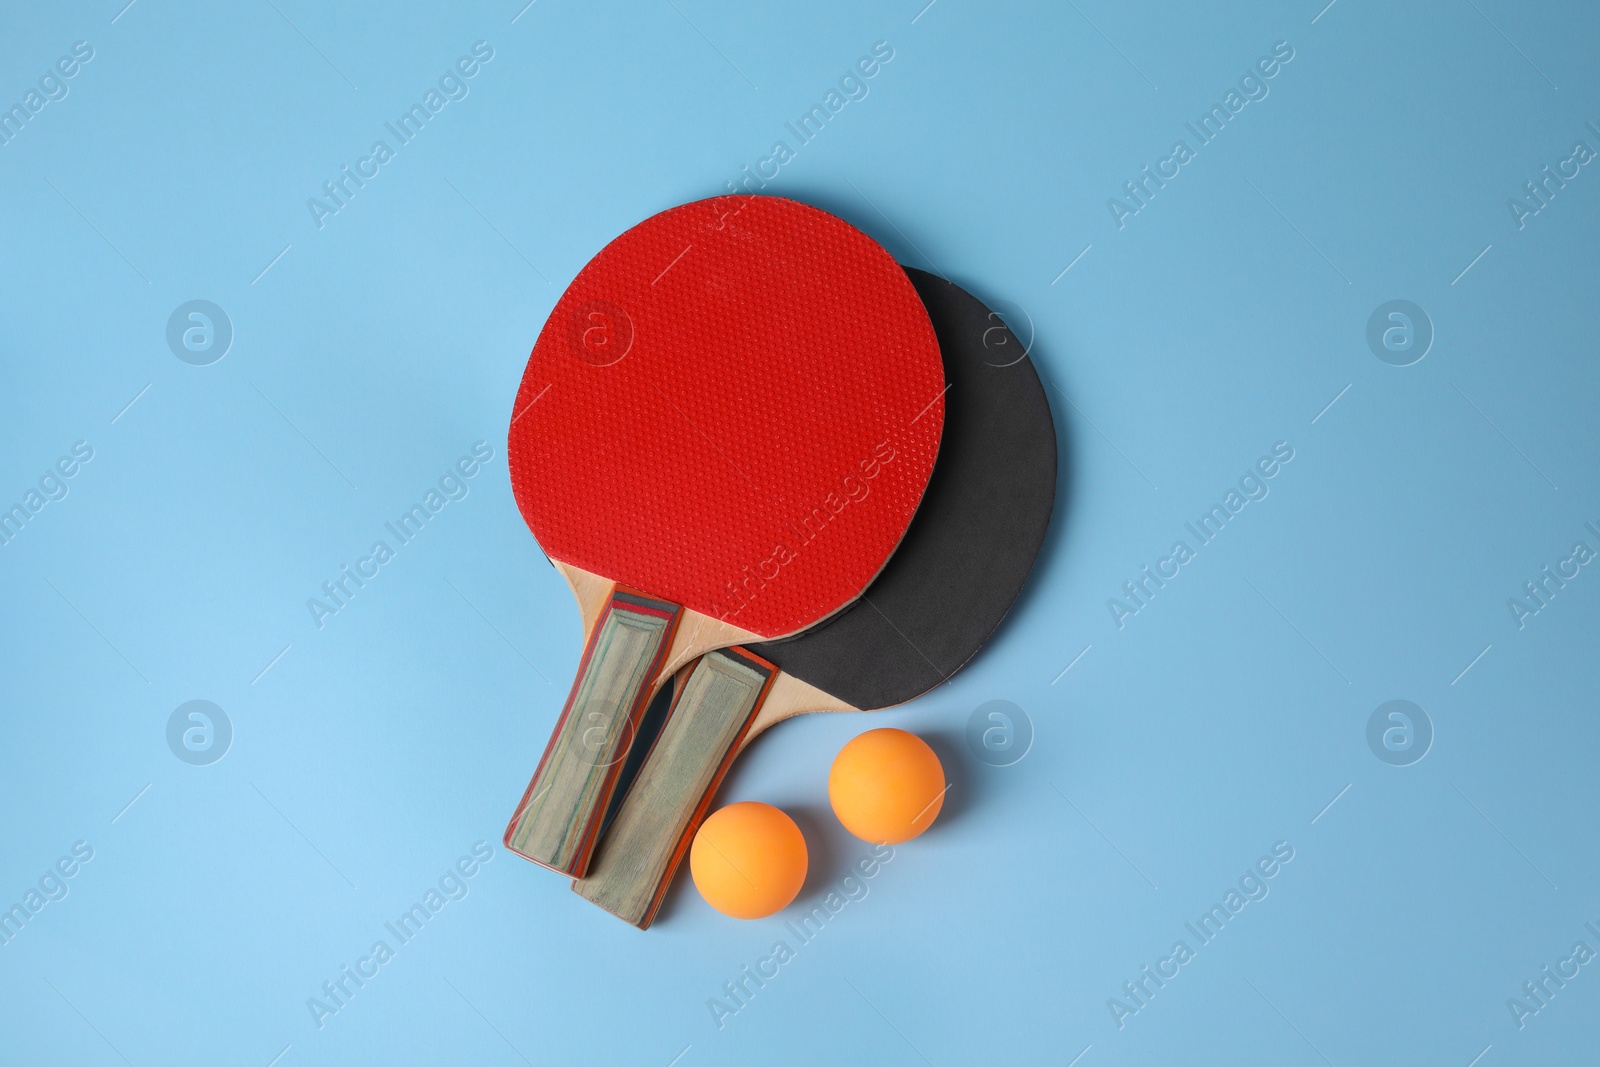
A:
{"points": [[1224, 717]]}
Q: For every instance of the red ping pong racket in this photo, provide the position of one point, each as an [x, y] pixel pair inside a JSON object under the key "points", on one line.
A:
{"points": [[955, 575], [724, 428]]}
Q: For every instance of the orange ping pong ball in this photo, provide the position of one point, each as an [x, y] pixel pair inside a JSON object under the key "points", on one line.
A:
{"points": [[748, 860], [887, 786]]}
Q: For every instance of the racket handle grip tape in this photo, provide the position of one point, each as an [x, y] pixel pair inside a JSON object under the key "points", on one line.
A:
{"points": [[559, 817], [656, 822]]}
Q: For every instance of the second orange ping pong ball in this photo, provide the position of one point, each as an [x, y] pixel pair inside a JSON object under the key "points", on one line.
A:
{"points": [[887, 786], [748, 860]]}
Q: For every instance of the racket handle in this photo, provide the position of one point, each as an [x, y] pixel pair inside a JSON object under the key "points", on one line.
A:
{"points": [[717, 701], [559, 818]]}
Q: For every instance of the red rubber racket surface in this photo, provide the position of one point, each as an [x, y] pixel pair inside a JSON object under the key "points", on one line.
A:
{"points": [[715, 400]]}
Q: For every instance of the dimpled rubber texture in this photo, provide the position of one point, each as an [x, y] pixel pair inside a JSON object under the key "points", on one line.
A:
{"points": [[982, 522], [716, 376]]}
